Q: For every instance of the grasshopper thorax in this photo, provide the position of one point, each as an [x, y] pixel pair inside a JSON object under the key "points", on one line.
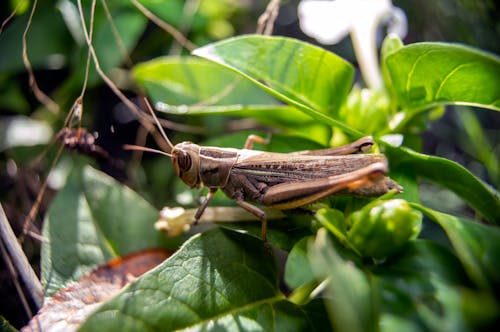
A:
{"points": [[185, 159]]}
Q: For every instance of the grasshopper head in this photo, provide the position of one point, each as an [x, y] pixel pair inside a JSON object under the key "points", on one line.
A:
{"points": [[186, 161]]}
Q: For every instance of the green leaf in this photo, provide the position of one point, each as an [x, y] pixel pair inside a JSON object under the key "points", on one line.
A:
{"points": [[425, 259], [196, 87], [297, 269], [302, 75], [334, 221], [425, 286], [453, 176], [46, 37], [462, 309], [396, 323], [129, 26], [406, 177], [189, 80], [5, 325], [219, 280], [277, 143], [281, 233], [425, 75], [436, 307], [350, 297], [390, 45], [169, 11], [476, 144], [477, 246], [92, 219]]}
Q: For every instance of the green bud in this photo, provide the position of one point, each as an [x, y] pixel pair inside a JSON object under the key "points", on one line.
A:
{"points": [[366, 110], [381, 229]]}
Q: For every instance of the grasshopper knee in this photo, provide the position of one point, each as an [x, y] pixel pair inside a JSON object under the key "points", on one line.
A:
{"points": [[254, 138], [258, 213]]}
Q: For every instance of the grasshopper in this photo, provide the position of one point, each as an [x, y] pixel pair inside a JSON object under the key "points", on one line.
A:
{"points": [[281, 180]]}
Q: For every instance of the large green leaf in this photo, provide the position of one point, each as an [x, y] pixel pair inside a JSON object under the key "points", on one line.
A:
{"points": [[92, 219], [477, 246], [191, 81], [219, 280], [453, 176], [428, 74], [305, 76], [196, 87]]}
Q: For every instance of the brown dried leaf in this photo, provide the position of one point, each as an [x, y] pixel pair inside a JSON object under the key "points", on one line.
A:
{"points": [[69, 308]]}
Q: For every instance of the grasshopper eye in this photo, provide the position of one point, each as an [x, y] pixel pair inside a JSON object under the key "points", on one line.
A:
{"points": [[184, 161]]}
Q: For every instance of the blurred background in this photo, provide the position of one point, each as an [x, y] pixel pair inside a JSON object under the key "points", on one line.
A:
{"points": [[58, 55]]}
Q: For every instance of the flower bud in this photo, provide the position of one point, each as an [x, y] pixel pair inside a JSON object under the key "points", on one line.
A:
{"points": [[381, 229]]}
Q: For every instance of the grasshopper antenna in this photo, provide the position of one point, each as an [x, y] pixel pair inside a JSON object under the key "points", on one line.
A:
{"points": [[142, 148], [160, 128]]}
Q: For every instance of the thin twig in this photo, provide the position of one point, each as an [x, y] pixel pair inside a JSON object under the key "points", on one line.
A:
{"points": [[266, 21], [7, 20], [34, 209], [176, 34], [20, 261], [188, 11], [76, 111], [15, 280], [39, 94], [116, 34], [133, 107], [140, 115]]}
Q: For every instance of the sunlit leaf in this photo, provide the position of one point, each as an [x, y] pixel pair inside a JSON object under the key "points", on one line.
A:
{"points": [[305, 76], [196, 87], [217, 280], [428, 74], [191, 81]]}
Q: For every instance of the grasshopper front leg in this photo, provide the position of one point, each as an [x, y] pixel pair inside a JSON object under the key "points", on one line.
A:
{"points": [[204, 205], [260, 214]]}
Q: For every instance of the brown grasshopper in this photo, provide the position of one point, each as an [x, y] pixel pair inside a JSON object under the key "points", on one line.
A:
{"points": [[281, 180]]}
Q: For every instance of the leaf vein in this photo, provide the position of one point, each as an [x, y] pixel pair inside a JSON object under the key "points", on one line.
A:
{"points": [[449, 75]]}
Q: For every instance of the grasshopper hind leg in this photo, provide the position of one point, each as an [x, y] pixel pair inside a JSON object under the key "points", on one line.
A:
{"points": [[258, 213]]}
